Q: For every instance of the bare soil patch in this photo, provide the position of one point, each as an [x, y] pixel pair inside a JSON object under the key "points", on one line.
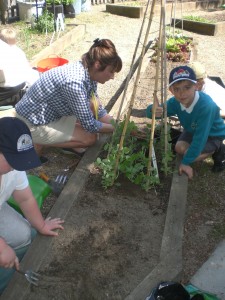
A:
{"points": [[106, 248]]}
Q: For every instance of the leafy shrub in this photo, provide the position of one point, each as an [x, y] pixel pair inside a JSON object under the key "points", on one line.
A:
{"points": [[45, 22], [133, 159], [178, 48], [58, 2]]}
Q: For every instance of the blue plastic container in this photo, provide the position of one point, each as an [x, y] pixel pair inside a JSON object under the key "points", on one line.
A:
{"points": [[85, 5], [77, 6]]}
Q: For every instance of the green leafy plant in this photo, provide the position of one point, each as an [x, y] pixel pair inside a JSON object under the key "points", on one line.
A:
{"points": [[51, 2], [58, 2], [25, 32], [45, 22], [68, 2], [133, 159], [198, 19], [178, 48], [168, 157]]}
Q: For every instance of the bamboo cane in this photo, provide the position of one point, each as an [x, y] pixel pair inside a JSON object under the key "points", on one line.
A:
{"points": [[164, 95], [155, 99], [171, 15], [132, 62], [134, 90], [182, 21], [129, 76], [174, 16]]}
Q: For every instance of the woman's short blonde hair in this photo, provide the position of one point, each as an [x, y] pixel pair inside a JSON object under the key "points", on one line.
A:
{"points": [[8, 35], [199, 69]]}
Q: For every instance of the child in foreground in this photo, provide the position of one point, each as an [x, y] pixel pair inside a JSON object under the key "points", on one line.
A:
{"points": [[17, 154], [204, 129]]}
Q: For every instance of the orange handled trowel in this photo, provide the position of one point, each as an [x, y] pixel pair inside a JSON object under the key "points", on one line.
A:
{"points": [[56, 185]]}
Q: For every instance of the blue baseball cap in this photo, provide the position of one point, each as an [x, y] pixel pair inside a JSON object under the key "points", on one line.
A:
{"points": [[16, 144], [182, 73]]}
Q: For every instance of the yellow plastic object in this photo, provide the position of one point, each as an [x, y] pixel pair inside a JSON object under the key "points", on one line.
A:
{"points": [[95, 104], [39, 188]]}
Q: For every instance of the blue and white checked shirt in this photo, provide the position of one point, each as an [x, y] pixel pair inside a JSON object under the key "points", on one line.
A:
{"points": [[61, 91]]}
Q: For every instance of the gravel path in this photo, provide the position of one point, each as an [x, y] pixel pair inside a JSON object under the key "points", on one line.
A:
{"points": [[100, 24]]}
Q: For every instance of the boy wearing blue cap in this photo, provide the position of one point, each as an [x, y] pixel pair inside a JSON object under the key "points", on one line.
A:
{"points": [[204, 129], [17, 154]]}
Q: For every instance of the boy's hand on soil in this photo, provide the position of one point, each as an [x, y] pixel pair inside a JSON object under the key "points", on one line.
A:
{"points": [[187, 170], [156, 99], [158, 111], [50, 225], [158, 108]]}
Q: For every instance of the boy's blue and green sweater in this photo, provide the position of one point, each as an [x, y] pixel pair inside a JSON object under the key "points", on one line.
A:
{"points": [[202, 122]]}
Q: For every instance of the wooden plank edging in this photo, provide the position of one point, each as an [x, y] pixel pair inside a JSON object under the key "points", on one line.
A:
{"points": [[170, 262]]}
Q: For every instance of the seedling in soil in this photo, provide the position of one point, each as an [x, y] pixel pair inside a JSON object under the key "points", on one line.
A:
{"points": [[133, 159]]}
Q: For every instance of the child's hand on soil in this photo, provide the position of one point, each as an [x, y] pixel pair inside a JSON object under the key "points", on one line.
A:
{"points": [[158, 111], [50, 225], [158, 108], [187, 170]]}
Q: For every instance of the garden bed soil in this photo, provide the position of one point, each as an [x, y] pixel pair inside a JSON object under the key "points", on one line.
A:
{"points": [[110, 243]]}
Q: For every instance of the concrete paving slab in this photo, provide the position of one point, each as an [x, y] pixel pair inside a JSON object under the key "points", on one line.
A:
{"points": [[211, 276]]}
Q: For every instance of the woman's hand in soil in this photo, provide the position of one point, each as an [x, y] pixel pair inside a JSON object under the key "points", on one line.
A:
{"points": [[50, 225], [187, 170]]}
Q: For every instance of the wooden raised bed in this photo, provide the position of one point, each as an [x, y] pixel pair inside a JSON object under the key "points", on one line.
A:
{"points": [[125, 10], [200, 27]]}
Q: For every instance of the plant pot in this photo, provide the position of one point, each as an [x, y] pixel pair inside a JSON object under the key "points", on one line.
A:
{"points": [[69, 11], [55, 9], [85, 5], [28, 9]]}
